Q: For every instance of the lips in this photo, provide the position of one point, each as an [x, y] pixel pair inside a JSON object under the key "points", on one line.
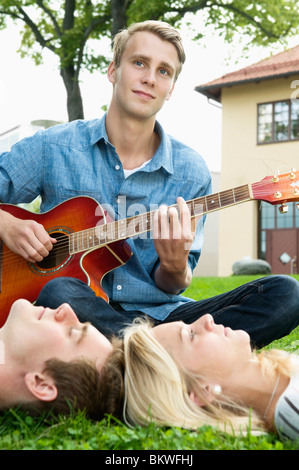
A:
{"points": [[41, 313], [143, 94]]}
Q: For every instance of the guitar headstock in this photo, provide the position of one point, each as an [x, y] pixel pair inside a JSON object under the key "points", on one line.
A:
{"points": [[278, 189]]}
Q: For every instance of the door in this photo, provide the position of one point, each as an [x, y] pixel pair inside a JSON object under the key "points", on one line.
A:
{"points": [[282, 250]]}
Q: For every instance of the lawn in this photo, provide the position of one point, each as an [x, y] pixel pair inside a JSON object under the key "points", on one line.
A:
{"points": [[19, 431]]}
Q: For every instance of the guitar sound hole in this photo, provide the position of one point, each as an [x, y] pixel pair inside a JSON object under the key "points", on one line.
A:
{"points": [[59, 253]]}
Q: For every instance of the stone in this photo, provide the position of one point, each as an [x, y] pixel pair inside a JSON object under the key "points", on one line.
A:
{"points": [[251, 266]]}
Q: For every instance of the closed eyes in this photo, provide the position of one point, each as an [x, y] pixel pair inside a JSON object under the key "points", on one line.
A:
{"points": [[186, 332], [74, 331]]}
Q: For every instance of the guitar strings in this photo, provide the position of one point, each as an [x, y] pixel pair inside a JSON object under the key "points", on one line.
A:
{"points": [[112, 228]]}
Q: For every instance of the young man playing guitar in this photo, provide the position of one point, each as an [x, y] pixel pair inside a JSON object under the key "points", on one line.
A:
{"points": [[127, 163]]}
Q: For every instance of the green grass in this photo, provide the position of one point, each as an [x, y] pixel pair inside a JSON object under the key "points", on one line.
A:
{"points": [[19, 431]]}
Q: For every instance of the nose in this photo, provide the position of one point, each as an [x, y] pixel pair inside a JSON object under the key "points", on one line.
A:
{"points": [[206, 322], [149, 77], [66, 314]]}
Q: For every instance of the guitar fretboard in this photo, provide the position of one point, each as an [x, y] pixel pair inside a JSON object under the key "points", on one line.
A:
{"points": [[122, 229]]}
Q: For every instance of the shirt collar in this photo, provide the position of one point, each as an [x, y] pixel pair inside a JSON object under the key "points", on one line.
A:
{"points": [[98, 131], [163, 156]]}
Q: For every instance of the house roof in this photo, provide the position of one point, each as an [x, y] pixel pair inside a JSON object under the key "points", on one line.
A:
{"points": [[280, 65]]}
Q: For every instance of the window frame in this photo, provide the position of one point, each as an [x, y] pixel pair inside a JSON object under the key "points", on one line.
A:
{"points": [[273, 141]]}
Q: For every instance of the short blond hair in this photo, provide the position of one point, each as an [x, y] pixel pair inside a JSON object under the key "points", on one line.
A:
{"points": [[162, 29]]}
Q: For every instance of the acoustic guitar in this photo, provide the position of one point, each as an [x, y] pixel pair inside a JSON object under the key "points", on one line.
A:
{"points": [[90, 244]]}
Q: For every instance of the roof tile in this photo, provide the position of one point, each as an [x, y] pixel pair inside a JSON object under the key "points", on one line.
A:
{"points": [[282, 64]]}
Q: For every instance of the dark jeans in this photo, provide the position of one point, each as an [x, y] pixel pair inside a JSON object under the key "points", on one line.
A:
{"points": [[267, 308]]}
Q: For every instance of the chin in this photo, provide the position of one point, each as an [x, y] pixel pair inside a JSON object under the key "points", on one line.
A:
{"points": [[20, 303], [243, 336]]}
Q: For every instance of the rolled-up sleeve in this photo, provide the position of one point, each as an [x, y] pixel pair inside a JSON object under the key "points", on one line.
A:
{"points": [[21, 170]]}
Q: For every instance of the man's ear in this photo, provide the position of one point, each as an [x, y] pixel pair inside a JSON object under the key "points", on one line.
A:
{"points": [[111, 72], [170, 93], [41, 386]]}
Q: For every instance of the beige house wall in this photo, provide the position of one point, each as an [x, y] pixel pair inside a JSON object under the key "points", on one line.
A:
{"points": [[243, 161], [209, 258]]}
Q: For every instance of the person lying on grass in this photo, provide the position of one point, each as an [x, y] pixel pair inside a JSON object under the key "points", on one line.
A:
{"points": [[51, 361], [205, 374]]}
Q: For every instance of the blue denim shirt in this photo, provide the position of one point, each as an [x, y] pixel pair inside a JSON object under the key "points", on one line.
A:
{"points": [[76, 159]]}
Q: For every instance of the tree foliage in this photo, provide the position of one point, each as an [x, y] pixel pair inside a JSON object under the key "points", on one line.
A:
{"points": [[68, 27]]}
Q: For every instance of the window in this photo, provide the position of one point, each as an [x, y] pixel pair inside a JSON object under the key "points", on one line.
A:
{"points": [[278, 121]]}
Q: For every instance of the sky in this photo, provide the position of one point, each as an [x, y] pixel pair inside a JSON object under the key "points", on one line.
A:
{"points": [[29, 92]]}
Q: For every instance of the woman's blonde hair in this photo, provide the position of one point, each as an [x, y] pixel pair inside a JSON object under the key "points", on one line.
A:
{"points": [[161, 29], [157, 389]]}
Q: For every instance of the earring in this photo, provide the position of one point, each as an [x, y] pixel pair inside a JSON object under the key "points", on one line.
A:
{"points": [[217, 389]]}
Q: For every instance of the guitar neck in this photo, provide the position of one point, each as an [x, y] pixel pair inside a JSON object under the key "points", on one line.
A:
{"points": [[133, 226], [217, 201]]}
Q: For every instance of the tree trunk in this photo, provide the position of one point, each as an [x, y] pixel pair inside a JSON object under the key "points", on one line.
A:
{"points": [[74, 99], [118, 15], [68, 74]]}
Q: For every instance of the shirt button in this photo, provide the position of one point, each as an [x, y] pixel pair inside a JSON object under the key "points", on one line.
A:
{"points": [[117, 167], [119, 287]]}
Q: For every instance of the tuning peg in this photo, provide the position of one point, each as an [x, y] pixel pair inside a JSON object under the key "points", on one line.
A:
{"points": [[297, 205], [292, 175], [283, 209]]}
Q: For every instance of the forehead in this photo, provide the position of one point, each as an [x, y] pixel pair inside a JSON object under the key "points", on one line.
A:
{"points": [[151, 45], [166, 333]]}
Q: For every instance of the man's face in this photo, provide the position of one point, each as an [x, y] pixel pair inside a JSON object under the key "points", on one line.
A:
{"points": [[146, 75], [32, 335]]}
